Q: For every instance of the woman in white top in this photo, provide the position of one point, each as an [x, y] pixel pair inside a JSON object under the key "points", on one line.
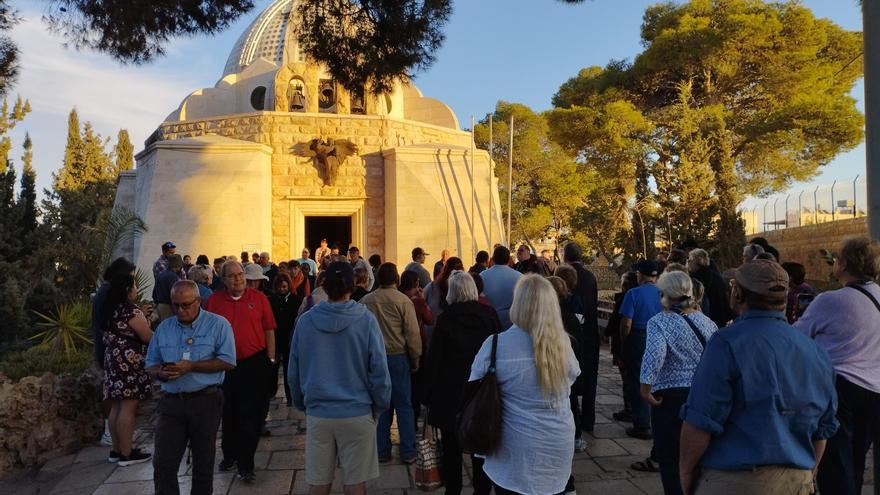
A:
{"points": [[535, 367]]}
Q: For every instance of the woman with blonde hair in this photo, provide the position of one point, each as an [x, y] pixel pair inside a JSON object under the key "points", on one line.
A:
{"points": [[535, 367]]}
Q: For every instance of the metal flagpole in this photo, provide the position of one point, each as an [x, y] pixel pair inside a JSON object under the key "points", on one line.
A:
{"points": [[509, 182], [491, 198], [473, 192]]}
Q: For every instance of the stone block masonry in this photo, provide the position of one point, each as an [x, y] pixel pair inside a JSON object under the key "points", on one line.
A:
{"points": [[296, 177]]}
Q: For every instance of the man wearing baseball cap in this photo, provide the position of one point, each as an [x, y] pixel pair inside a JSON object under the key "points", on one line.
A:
{"points": [[338, 375], [762, 403], [639, 306], [161, 263], [418, 259]]}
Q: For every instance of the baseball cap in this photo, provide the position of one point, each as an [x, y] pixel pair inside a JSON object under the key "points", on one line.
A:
{"points": [[339, 270], [168, 245], [254, 272], [763, 277], [648, 268], [418, 252]]}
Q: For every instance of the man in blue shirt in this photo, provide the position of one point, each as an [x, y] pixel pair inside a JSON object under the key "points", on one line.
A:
{"points": [[498, 284], [762, 403], [639, 306], [189, 355]]}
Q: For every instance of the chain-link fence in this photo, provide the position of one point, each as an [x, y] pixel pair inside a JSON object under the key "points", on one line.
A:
{"points": [[817, 204]]}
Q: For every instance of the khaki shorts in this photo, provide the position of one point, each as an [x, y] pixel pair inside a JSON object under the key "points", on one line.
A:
{"points": [[350, 440], [767, 480]]}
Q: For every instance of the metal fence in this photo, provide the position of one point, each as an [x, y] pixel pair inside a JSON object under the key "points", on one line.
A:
{"points": [[816, 204]]}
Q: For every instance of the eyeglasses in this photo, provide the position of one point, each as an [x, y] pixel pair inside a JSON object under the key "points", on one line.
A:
{"points": [[184, 306], [234, 276]]}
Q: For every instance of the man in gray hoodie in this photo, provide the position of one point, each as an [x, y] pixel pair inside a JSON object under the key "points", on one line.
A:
{"points": [[339, 376]]}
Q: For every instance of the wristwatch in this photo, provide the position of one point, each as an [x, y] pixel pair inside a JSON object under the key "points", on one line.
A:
{"points": [[272, 360]]}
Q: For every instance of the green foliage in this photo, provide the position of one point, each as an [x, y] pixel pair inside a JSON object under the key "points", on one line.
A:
{"points": [[743, 97], [67, 329], [14, 321], [142, 280], [123, 152], [113, 229], [27, 199], [42, 359], [373, 43], [548, 185]]}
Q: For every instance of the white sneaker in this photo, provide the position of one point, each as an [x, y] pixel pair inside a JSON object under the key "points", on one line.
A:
{"points": [[106, 440], [580, 445]]}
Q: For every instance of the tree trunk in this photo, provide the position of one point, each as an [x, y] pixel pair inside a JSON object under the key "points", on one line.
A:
{"points": [[731, 233]]}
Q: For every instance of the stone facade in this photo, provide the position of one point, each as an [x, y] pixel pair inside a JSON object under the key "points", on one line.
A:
{"points": [[297, 178], [802, 244]]}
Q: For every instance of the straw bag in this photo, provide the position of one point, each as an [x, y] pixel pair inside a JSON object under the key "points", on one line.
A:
{"points": [[427, 473]]}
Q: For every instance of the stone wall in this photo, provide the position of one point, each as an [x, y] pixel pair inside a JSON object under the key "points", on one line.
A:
{"points": [[297, 177], [802, 244], [44, 417]]}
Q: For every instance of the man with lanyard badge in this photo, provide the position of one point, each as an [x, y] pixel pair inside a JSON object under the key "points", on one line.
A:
{"points": [[189, 355]]}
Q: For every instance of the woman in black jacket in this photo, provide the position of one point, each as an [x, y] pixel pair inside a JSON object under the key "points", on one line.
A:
{"points": [[458, 334], [285, 306]]}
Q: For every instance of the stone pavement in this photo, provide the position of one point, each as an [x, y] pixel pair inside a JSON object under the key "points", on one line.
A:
{"points": [[603, 468]]}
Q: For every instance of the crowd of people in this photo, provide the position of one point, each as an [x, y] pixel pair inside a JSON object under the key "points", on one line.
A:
{"points": [[746, 380]]}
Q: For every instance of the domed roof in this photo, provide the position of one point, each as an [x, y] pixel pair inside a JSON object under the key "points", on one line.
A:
{"points": [[271, 36]]}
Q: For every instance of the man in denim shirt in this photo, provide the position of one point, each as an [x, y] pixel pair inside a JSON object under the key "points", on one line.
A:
{"points": [[762, 402], [189, 355]]}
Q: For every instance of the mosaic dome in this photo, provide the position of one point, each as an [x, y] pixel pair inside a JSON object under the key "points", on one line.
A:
{"points": [[271, 36]]}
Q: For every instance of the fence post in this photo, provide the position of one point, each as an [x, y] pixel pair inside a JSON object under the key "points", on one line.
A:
{"points": [[764, 218], [786, 210], [816, 206], [775, 219], [800, 208], [833, 204]]}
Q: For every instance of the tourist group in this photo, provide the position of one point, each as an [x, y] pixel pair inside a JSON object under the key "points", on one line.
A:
{"points": [[747, 381]]}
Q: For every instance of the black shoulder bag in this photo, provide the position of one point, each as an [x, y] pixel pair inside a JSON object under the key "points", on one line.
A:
{"points": [[865, 292], [478, 422], [696, 330]]}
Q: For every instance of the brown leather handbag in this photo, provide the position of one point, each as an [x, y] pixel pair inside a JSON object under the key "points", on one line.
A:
{"points": [[478, 422]]}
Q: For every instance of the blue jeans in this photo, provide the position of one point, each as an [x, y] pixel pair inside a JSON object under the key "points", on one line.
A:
{"points": [[633, 352], [401, 401]]}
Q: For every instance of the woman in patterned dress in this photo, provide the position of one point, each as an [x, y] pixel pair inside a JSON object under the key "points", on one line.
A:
{"points": [[126, 382]]}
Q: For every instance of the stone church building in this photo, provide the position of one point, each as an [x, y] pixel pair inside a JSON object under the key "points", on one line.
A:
{"points": [[278, 155]]}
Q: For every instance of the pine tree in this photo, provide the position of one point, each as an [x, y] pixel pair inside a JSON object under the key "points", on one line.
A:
{"points": [[123, 152], [27, 199]]}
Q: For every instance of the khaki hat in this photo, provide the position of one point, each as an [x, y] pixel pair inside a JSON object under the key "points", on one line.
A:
{"points": [[763, 277]]}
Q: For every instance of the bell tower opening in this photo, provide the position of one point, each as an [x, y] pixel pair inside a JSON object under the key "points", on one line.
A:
{"points": [[337, 231]]}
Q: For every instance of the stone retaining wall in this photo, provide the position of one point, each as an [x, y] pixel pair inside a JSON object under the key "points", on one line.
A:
{"points": [[802, 244], [45, 417]]}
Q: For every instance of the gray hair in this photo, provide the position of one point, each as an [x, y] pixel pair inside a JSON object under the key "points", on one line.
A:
{"points": [[677, 288], [182, 285], [752, 250], [227, 265], [700, 257], [198, 274], [461, 288]]}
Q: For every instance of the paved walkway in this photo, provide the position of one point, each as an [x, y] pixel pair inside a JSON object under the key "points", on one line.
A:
{"points": [[603, 468]]}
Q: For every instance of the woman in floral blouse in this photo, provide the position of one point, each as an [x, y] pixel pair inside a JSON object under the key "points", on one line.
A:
{"points": [[126, 334]]}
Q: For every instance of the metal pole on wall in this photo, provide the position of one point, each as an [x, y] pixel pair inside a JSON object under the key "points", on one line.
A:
{"points": [[833, 204], [855, 197], [800, 209], [786, 210], [775, 221], [816, 206], [473, 192], [871, 36], [510, 182], [764, 218], [491, 174]]}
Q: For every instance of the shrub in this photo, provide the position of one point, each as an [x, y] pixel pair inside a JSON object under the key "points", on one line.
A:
{"points": [[67, 329], [42, 359]]}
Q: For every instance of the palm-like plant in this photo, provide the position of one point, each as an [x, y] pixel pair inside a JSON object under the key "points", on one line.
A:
{"points": [[66, 329], [120, 226]]}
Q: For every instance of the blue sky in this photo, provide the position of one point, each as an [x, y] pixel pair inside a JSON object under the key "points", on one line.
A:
{"points": [[514, 50]]}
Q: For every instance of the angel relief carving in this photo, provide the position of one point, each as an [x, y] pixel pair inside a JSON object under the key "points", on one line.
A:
{"points": [[327, 155]]}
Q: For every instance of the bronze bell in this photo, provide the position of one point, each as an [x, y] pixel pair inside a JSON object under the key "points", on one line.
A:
{"points": [[327, 90], [297, 100]]}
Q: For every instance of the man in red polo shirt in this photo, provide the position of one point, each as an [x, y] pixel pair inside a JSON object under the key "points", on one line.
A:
{"points": [[246, 388]]}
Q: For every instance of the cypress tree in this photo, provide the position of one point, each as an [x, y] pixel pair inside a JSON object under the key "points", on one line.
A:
{"points": [[27, 199], [124, 152], [65, 179]]}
